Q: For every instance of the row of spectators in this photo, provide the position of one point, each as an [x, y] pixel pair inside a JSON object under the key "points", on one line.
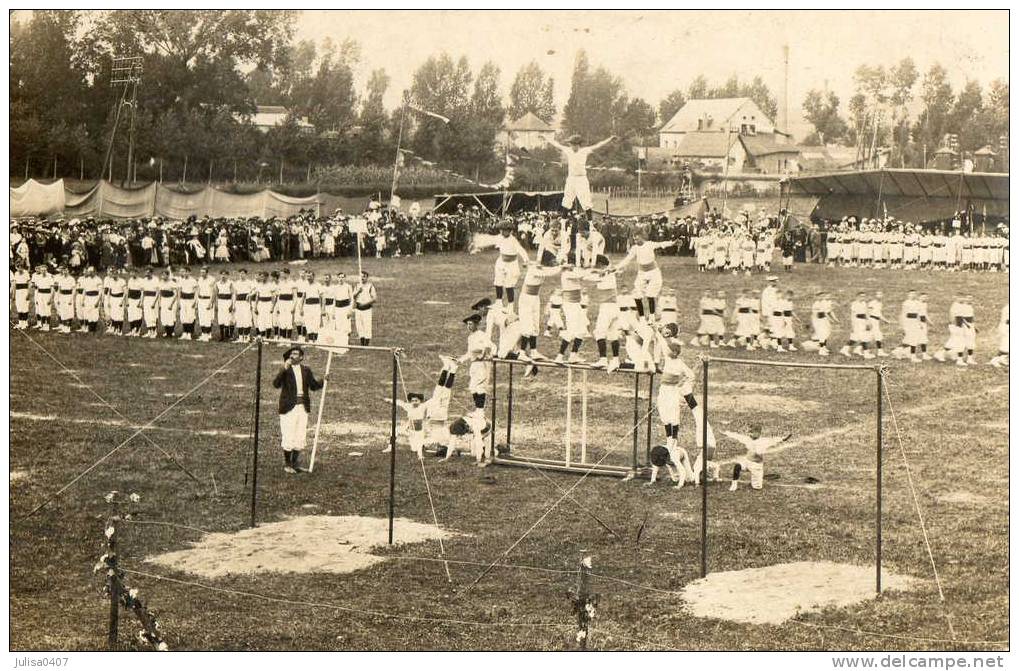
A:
{"points": [[153, 241]]}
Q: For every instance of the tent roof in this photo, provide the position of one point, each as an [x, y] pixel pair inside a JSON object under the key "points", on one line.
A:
{"points": [[765, 144], [529, 121], [909, 183]]}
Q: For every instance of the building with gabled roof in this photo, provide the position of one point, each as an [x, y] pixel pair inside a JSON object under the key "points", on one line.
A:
{"points": [[527, 132]]}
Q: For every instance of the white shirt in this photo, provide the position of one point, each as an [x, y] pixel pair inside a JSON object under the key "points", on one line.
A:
{"points": [[756, 447], [299, 379]]}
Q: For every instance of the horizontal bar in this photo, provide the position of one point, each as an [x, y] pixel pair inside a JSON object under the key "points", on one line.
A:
{"points": [[792, 364], [564, 366], [559, 468], [553, 462], [366, 348]]}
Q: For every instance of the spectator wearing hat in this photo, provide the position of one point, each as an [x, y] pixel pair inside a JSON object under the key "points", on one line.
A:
{"points": [[295, 381]]}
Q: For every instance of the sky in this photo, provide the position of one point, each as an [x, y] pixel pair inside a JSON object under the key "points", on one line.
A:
{"points": [[654, 52]]}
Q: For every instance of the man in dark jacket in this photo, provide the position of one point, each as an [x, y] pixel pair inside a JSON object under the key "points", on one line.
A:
{"points": [[295, 382]]}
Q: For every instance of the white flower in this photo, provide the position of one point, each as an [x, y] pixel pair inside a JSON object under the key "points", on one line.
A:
{"points": [[133, 592], [135, 497], [581, 635], [162, 647], [109, 497], [110, 531]]}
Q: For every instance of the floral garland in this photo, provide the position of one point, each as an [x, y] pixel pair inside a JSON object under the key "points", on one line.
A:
{"points": [[150, 633]]}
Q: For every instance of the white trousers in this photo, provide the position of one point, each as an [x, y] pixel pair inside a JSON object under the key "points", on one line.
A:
{"points": [[294, 428]]}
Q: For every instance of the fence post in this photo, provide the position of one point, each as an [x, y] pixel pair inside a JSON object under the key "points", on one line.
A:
{"points": [[113, 582], [495, 405], [584, 603], [636, 417]]}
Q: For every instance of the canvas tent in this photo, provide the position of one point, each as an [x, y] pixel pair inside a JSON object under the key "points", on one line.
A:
{"points": [[106, 200], [918, 196], [499, 202]]}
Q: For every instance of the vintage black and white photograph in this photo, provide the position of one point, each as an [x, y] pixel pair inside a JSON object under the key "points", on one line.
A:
{"points": [[508, 330]]}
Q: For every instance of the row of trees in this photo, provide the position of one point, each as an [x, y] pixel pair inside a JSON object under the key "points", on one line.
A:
{"points": [[897, 108], [205, 72]]}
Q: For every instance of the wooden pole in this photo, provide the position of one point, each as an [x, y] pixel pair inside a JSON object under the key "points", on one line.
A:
{"points": [[321, 406], [704, 469], [185, 177], [880, 392], [583, 596], [254, 445], [392, 454]]}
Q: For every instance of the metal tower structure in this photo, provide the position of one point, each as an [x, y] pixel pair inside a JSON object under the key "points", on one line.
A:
{"points": [[126, 72]]}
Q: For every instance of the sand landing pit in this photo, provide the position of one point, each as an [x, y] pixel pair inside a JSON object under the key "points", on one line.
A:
{"points": [[312, 544], [774, 594]]}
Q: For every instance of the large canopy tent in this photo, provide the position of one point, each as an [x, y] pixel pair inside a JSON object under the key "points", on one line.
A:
{"points": [[917, 196], [108, 201], [499, 202]]}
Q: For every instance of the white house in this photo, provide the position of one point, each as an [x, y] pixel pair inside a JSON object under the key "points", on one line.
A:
{"points": [[269, 116], [527, 132], [739, 115]]}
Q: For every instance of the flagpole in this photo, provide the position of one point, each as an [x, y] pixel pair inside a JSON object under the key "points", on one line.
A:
{"points": [[396, 161]]}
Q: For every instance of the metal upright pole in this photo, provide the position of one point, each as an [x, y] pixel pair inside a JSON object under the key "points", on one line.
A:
{"points": [[392, 453], [704, 470], [491, 449], [880, 392], [254, 446], [636, 416], [650, 409], [509, 409]]}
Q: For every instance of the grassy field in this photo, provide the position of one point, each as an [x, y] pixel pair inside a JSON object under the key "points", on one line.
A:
{"points": [[953, 425]]}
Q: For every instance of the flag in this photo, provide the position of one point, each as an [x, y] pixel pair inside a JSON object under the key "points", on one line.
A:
{"points": [[431, 114]]}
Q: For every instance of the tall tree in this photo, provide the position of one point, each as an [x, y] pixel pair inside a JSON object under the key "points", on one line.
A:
{"points": [[372, 146], [821, 109], [698, 88], [47, 87], [532, 91], [669, 105], [937, 98], [328, 98], [486, 115], [596, 104], [968, 104], [442, 86], [638, 121]]}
